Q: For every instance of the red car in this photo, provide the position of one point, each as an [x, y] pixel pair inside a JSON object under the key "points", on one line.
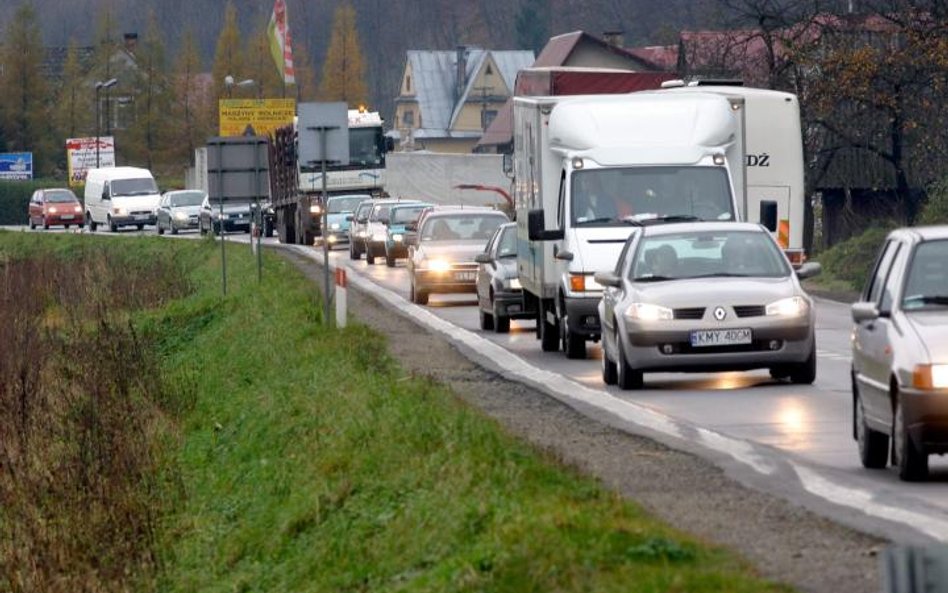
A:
{"points": [[55, 206]]}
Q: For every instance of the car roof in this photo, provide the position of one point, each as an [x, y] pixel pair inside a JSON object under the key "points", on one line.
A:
{"points": [[922, 233], [411, 205], [366, 197], [456, 212], [698, 226], [390, 201]]}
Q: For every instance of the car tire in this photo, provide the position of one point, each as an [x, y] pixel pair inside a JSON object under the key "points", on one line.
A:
{"points": [[573, 346], [140, 226], [486, 319], [610, 373], [419, 297], [911, 463], [159, 228], [873, 445], [369, 256], [92, 224], [174, 229], [45, 225], [353, 251], [626, 377], [501, 324], [66, 226], [112, 227], [805, 372], [779, 373], [549, 333], [32, 224], [389, 260]]}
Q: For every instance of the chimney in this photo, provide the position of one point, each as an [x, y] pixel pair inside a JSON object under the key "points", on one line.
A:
{"points": [[131, 41], [461, 73], [615, 38]]}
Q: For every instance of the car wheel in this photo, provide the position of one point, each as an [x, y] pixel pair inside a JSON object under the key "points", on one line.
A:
{"points": [[573, 345], [45, 225], [609, 370], [174, 229], [779, 373], [501, 324], [389, 260], [112, 227], [66, 226], [419, 297], [140, 226], [92, 224], [486, 319], [549, 332], [159, 229], [626, 376], [32, 224], [353, 252], [369, 256], [873, 445], [911, 463], [805, 372]]}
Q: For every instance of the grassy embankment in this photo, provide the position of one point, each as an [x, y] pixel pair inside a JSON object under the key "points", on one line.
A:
{"points": [[297, 458]]}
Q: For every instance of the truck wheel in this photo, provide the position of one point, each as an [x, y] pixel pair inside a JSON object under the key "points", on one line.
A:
{"points": [[549, 332], [112, 227], [92, 225], [574, 346]]}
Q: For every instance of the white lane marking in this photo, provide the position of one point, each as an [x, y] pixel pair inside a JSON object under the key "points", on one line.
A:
{"points": [[565, 389], [833, 355], [863, 501]]}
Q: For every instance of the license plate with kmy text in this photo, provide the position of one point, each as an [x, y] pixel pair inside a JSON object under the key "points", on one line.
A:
{"points": [[721, 337], [465, 275]]}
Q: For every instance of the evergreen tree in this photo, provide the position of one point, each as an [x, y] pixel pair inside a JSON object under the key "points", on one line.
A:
{"points": [[72, 117], [146, 134], [533, 24], [228, 59], [24, 102], [305, 74], [344, 71], [260, 68]]}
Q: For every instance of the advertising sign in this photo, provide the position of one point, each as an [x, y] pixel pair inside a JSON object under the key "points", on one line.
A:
{"points": [[16, 165], [255, 117], [81, 156]]}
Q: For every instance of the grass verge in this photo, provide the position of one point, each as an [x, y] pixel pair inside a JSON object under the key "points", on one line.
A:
{"points": [[308, 461]]}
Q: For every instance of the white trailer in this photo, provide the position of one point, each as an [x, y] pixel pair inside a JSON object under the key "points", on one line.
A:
{"points": [[774, 161], [589, 169]]}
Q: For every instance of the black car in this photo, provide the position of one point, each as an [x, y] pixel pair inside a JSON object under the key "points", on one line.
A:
{"points": [[499, 295]]}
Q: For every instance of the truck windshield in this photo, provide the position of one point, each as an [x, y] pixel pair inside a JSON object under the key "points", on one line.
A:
{"points": [[134, 187], [609, 196], [364, 144]]}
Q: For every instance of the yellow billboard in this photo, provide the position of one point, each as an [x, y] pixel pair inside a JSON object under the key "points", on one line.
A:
{"points": [[258, 117]]}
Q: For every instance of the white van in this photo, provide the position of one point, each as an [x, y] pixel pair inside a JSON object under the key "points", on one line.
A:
{"points": [[120, 196]]}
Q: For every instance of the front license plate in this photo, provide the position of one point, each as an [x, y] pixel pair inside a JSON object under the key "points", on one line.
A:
{"points": [[721, 337], [464, 276], [141, 217], [67, 216]]}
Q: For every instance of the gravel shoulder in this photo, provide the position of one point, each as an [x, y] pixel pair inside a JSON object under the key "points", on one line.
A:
{"points": [[784, 541]]}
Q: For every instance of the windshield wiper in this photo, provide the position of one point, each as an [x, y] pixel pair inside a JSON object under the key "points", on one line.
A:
{"points": [[721, 275], [653, 278], [596, 220], [934, 299]]}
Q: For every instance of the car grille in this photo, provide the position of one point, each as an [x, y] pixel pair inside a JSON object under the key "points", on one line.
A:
{"points": [[687, 348], [750, 310], [141, 213], [689, 313]]}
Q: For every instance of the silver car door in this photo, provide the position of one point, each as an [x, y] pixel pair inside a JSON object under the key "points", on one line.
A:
{"points": [[869, 356]]}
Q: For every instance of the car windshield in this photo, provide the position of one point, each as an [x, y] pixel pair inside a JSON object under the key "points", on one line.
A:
{"points": [[380, 212], [462, 227], [134, 187], [187, 198], [507, 247], [406, 215], [60, 196], [927, 283], [602, 197], [704, 254], [345, 204]]}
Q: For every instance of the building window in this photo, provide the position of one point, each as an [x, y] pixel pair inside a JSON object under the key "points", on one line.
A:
{"points": [[487, 116], [408, 83], [408, 118]]}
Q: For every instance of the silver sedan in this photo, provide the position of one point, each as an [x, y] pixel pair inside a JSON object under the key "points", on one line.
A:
{"points": [[900, 354], [705, 296]]}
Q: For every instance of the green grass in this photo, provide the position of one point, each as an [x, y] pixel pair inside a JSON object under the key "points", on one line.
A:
{"points": [[309, 461]]}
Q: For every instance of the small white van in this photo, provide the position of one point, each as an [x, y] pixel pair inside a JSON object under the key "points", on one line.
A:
{"points": [[120, 196]]}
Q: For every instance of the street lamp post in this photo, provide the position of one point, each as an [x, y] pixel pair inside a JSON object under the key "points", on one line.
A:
{"points": [[99, 85], [230, 84]]}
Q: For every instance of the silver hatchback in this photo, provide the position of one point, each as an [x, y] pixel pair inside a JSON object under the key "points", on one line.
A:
{"points": [[900, 354], [705, 296]]}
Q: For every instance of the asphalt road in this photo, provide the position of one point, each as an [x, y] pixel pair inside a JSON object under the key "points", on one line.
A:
{"points": [[788, 439]]}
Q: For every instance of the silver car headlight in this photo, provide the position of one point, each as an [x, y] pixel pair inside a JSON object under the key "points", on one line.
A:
{"points": [[648, 312], [795, 306], [930, 376], [181, 215]]}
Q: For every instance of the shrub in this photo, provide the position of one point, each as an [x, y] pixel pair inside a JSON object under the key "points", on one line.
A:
{"points": [[935, 209], [852, 259], [15, 197]]}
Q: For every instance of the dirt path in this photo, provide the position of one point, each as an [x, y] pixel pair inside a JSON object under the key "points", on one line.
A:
{"points": [[784, 541]]}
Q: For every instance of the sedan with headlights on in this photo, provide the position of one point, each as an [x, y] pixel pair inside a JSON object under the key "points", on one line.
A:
{"points": [[441, 259], [179, 210], [900, 354], [400, 230], [54, 206], [499, 294], [705, 296], [339, 211]]}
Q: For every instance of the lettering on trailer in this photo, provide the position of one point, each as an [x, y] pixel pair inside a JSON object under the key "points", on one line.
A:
{"points": [[758, 160]]}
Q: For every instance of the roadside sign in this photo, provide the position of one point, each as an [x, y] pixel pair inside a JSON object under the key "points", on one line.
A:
{"points": [[331, 119], [16, 166], [254, 117], [81, 156]]}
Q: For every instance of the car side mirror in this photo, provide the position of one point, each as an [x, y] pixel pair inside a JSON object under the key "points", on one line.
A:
{"points": [[348, 218], [536, 228], [809, 270], [483, 258], [105, 194], [864, 311], [608, 279]]}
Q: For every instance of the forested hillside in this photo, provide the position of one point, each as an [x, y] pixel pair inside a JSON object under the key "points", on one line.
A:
{"points": [[387, 28]]}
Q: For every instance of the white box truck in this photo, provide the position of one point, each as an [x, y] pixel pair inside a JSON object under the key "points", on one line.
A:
{"points": [[773, 139], [589, 169]]}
